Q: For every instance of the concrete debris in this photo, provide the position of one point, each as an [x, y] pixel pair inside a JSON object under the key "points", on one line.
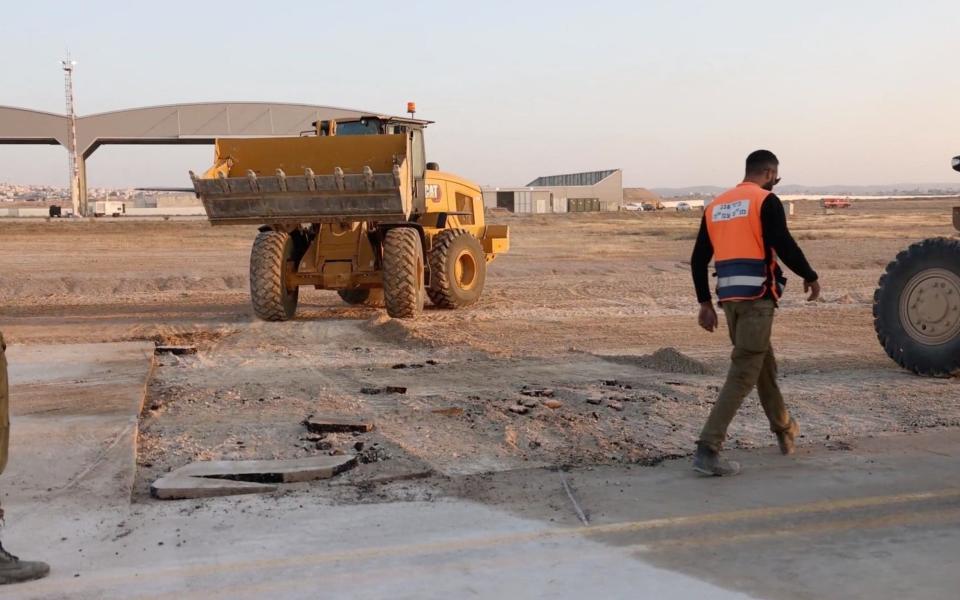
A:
{"points": [[336, 424], [537, 392], [617, 384], [406, 366], [226, 478], [528, 402], [390, 389], [615, 405], [178, 350], [519, 409]]}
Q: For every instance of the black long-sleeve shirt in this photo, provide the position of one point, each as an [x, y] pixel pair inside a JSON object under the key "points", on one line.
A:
{"points": [[775, 235]]}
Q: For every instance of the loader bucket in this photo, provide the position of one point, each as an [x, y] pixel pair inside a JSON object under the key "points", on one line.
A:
{"points": [[306, 180]]}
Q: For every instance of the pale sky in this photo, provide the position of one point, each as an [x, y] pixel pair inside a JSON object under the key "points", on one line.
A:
{"points": [[674, 93]]}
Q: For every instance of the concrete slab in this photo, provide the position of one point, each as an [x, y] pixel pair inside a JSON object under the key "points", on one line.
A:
{"points": [[75, 411], [229, 477], [873, 522], [337, 423]]}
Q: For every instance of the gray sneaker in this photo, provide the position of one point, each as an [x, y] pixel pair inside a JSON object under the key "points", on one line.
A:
{"points": [[14, 570], [708, 462]]}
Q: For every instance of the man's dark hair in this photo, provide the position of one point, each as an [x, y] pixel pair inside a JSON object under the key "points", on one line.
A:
{"points": [[761, 160]]}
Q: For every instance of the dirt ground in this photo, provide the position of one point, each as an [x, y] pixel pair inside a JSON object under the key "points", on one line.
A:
{"points": [[583, 350]]}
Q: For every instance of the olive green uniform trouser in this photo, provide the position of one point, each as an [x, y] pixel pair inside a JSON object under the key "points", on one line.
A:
{"points": [[752, 364]]}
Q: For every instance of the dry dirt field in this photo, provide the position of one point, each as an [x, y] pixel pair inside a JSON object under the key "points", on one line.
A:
{"points": [[595, 312]]}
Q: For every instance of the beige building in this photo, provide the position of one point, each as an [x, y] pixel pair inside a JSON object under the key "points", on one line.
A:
{"points": [[574, 192]]}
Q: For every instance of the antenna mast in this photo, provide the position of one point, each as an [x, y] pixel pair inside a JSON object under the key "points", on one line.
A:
{"points": [[74, 165]]}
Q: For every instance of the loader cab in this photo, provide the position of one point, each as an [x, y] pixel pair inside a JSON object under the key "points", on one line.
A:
{"points": [[382, 125]]}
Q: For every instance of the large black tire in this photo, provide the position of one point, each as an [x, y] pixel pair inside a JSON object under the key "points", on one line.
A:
{"points": [[458, 269], [363, 296], [916, 308], [269, 258], [403, 273]]}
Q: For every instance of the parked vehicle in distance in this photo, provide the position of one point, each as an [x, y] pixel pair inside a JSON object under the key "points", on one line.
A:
{"points": [[649, 206], [635, 206], [836, 203], [683, 207]]}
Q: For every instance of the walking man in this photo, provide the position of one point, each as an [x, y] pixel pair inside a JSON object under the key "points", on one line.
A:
{"points": [[12, 569], [745, 230]]}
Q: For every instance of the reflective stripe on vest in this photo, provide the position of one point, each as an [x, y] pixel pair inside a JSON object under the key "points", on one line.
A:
{"points": [[736, 233]]}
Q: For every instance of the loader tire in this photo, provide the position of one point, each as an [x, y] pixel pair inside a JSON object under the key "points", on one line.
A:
{"points": [[916, 308], [458, 269], [269, 258], [403, 273], [365, 297]]}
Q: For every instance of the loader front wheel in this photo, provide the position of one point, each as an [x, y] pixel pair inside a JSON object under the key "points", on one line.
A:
{"points": [[271, 262], [458, 269], [916, 308], [403, 273], [356, 297]]}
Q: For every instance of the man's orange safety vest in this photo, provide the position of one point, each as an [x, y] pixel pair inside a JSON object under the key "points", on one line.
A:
{"points": [[744, 272]]}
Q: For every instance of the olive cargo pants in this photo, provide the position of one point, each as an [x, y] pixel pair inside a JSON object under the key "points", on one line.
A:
{"points": [[752, 364]]}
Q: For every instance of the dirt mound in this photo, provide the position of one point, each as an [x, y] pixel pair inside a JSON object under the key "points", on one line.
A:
{"points": [[668, 360], [394, 331]]}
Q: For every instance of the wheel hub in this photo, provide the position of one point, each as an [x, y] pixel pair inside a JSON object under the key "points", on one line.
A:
{"points": [[930, 306], [465, 270]]}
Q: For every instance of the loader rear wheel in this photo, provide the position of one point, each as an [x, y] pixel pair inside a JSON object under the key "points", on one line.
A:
{"points": [[360, 296], [458, 269], [271, 260], [403, 273], [916, 308]]}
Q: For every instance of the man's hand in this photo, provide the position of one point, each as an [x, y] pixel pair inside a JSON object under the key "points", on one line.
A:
{"points": [[813, 287], [708, 316]]}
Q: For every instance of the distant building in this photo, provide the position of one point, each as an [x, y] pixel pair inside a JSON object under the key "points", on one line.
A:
{"points": [[574, 192]]}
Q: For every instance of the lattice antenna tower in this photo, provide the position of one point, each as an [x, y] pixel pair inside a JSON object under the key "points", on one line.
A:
{"points": [[74, 166]]}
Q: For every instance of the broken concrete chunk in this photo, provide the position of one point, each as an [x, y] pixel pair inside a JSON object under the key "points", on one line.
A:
{"points": [[390, 389], [229, 477], [537, 392], [167, 349], [519, 409], [615, 405], [336, 424]]}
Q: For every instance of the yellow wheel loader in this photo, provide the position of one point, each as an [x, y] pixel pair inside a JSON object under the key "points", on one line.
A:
{"points": [[916, 307], [352, 206]]}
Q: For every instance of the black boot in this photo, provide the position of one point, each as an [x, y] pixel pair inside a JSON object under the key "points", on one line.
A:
{"points": [[709, 462], [14, 570]]}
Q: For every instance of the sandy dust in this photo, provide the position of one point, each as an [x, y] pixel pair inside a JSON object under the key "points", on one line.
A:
{"points": [[597, 310]]}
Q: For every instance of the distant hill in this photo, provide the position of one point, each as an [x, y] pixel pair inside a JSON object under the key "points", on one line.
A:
{"points": [[894, 189]]}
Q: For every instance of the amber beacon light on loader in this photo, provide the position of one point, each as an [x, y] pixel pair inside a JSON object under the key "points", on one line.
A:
{"points": [[352, 206]]}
